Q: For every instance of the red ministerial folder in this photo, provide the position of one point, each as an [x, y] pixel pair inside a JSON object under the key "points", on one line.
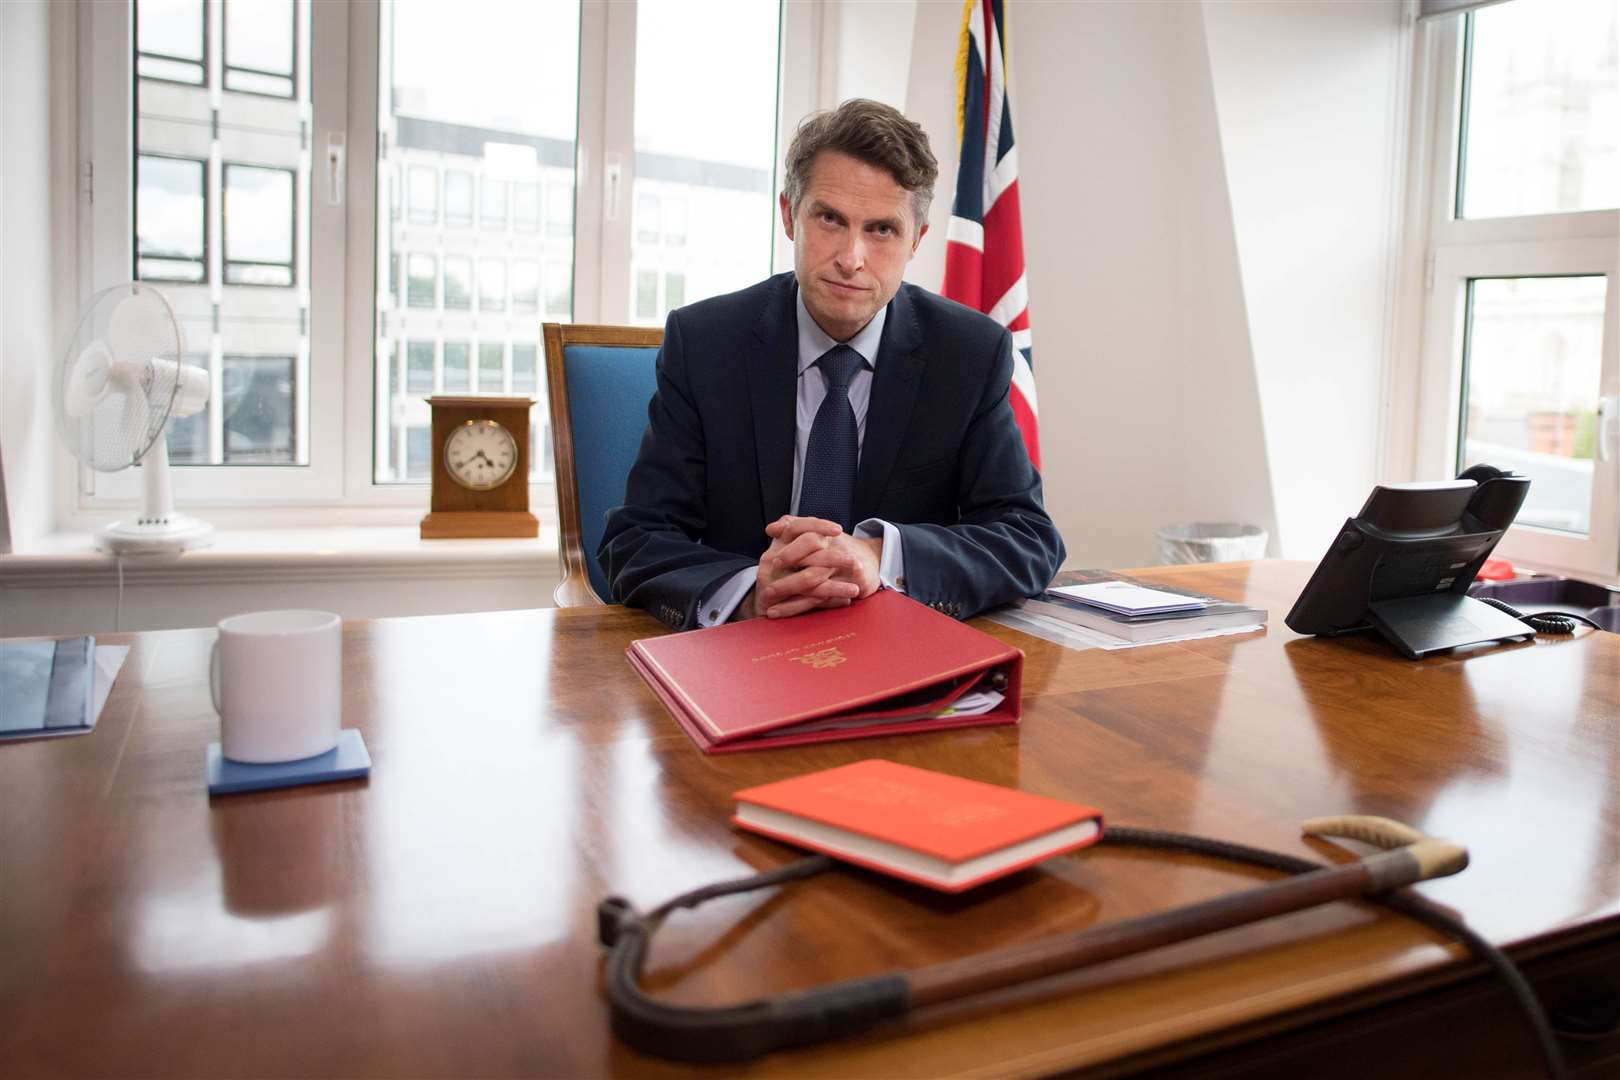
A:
{"points": [[885, 665]]}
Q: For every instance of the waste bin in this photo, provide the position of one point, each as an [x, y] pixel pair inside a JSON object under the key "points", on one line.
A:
{"points": [[1211, 541]]}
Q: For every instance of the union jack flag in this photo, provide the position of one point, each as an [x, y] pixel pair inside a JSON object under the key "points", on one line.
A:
{"points": [[984, 245]]}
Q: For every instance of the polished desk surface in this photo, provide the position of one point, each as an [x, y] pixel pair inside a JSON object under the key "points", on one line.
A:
{"points": [[438, 919]]}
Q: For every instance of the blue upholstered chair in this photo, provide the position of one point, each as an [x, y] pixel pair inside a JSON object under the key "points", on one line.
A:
{"points": [[600, 379]]}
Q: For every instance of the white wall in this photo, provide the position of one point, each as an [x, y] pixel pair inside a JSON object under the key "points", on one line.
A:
{"points": [[1308, 100], [1207, 190], [26, 336]]}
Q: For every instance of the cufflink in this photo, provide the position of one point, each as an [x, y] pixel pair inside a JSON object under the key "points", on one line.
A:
{"points": [[714, 613]]}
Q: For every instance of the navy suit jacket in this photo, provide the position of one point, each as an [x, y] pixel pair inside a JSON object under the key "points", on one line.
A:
{"points": [[941, 458]]}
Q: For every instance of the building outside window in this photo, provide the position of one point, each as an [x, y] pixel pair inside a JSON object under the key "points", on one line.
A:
{"points": [[458, 283], [172, 42], [473, 197], [458, 197], [491, 367], [261, 47], [261, 225], [171, 219], [457, 377]]}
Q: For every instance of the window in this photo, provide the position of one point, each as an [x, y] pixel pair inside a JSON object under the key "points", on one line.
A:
{"points": [[421, 284], [423, 195], [457, 378], [258, 404], [491, 285], [525, 287], [491, 368], [261, 222], [492, 203], [171, 219], [458, 197], [526, 207], [458, 283], [419, 367], [1522, 259], [261, 46], [524, 379], [560, 207], [559, 291], [237, 190], [171, 43]]}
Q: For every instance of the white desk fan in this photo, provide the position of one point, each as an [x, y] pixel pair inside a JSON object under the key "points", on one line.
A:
{"points": [[122, 379]]}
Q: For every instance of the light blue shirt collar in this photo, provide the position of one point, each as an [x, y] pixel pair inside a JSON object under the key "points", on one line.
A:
{"points": [[814, 341]]}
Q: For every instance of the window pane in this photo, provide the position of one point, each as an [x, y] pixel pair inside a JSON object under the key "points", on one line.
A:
{"points": [[223, 220], [420, 272], [1532, 356], [674, 290], [525, 287], [170, 219], [559, 291], [647, 295], [1542, 109], [524, 378], [492, 204], [260, 224], [458, 283], [424, 195], [491, 362], [491, 285], [458, 197], [419, 367], [258, 396], [526, 207], [170, 41], [719, 170], [489, 93], [457, 375], [260, 54], [418, 451], [560, 206]]}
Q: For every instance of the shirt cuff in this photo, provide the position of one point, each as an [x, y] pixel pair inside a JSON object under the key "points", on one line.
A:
{"points": [[724, 600], [892, 567]]}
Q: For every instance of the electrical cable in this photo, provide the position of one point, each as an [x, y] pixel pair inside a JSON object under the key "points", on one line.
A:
{"points": [[1546, 622]]}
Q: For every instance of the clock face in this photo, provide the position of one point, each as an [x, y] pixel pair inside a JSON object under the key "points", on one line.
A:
{"points": [[480, 454]]}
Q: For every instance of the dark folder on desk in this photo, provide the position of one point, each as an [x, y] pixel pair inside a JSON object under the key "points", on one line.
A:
{"points": [[885, 665], [46, 688]]}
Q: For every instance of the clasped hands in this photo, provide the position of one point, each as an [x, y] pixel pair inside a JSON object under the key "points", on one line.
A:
{"points": [[812, 563]]}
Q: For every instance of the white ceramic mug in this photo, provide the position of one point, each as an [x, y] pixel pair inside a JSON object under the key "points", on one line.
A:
{"points": [[277, 682]]}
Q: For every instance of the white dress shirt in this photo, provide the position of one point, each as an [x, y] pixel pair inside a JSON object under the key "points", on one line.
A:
{"points": [[812, 390]]}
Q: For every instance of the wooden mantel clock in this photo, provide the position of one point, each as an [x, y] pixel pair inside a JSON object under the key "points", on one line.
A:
{"points": [[480, 468]]}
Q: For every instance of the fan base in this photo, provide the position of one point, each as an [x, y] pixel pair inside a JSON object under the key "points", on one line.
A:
{"points": [[180, 532]]}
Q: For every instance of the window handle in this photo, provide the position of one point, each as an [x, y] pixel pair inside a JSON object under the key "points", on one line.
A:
{"points": [[334, 167], [1608, 427]]}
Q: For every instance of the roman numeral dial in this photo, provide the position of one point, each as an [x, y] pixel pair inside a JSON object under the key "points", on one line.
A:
{"points": [[480, 454]]}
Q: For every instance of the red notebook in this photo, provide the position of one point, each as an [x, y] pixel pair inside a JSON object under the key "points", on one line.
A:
{"points": [[882, 666], [937, 830]]}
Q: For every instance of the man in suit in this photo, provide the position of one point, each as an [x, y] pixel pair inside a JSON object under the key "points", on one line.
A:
{"points": [[832, 431]]}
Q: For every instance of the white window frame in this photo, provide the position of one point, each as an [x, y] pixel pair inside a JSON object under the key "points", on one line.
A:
{"points": [[1457, 250], [337, 485]]}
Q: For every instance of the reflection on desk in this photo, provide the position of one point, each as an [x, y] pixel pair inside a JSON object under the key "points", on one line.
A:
{"points": [[438, 920]]}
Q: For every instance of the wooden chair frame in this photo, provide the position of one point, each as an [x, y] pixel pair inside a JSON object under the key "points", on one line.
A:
{"points": [[575, 588]]}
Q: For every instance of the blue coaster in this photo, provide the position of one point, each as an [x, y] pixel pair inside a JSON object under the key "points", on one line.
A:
{"points": [[345, 761]]}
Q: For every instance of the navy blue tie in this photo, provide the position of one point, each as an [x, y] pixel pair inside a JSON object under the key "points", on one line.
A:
{"points": [[828, 488]]}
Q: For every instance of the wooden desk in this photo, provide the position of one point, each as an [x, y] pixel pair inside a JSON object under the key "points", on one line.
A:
{"points": [[438, 919]]}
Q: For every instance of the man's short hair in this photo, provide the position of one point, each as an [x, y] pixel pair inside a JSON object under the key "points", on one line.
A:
{"points": [[868, 131]]}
